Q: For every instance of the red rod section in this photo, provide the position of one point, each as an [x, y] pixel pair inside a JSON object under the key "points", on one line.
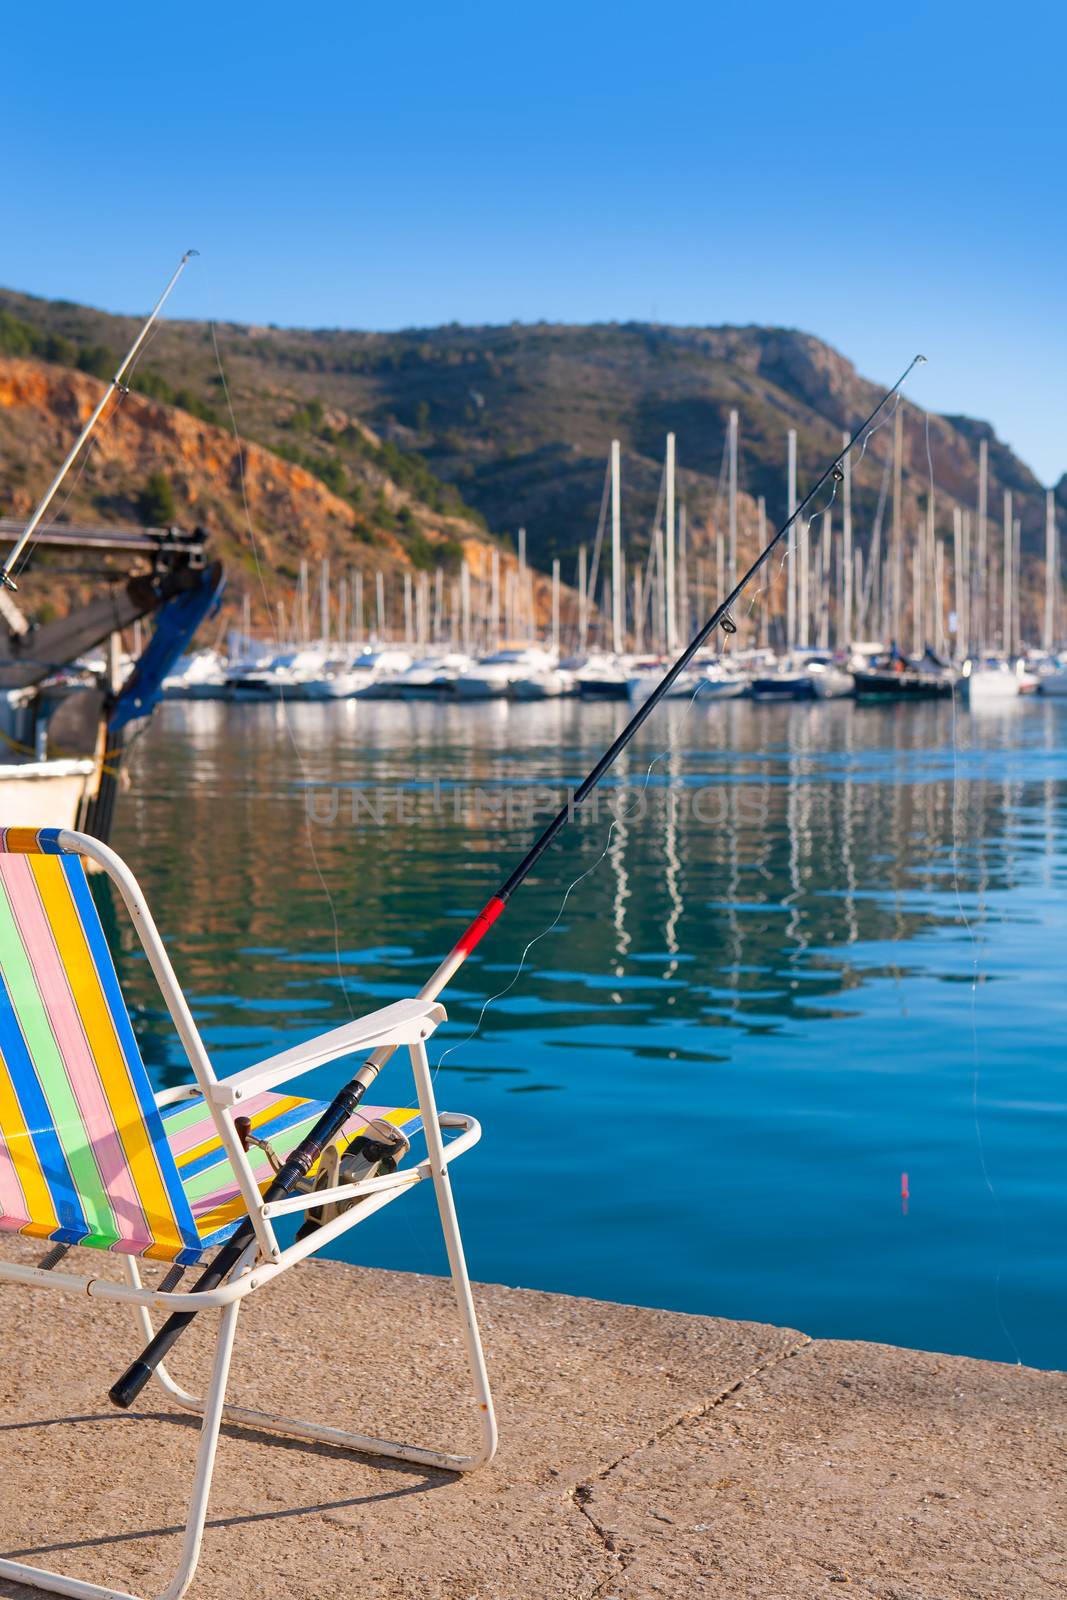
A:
{"points": [[481, 925]]}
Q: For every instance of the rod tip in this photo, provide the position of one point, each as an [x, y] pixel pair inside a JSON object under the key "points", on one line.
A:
{"points": [[8, 581]]}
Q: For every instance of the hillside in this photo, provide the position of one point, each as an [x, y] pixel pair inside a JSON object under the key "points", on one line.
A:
{"points": [[384, 526], [515, 421]]}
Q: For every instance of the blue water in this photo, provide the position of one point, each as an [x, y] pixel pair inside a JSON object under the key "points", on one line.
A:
{"points": [[827, 950]]}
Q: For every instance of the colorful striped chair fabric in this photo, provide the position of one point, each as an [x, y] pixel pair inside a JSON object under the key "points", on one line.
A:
{"points": [[86, 1157], [204, 1167]]}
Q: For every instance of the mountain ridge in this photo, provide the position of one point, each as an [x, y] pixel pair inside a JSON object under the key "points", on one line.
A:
{"points": [[514, 420]]}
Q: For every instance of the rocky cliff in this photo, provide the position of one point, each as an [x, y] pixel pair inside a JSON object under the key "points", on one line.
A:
{"points": [[263, 513]]}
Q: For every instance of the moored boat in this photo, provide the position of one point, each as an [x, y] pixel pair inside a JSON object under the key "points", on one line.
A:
{"points": [[492, 677], [993, 680], [600, 676], [704, 680], [896, 677]]}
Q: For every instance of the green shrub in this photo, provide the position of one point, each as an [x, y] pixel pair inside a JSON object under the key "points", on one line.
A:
{"points": [[333, 475], [97, 360], [156, 502]]}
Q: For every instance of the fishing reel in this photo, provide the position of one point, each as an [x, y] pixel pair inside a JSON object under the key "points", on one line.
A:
{"points": [[375, 1152]]}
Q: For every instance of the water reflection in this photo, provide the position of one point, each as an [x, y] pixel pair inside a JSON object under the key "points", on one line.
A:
{"points": [[770, 958]]}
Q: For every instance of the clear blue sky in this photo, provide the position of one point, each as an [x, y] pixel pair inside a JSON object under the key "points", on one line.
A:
{"points": [[891, 178]]}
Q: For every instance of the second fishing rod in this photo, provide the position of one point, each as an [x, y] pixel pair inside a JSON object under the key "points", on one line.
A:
{"points": [[296, 1169]]}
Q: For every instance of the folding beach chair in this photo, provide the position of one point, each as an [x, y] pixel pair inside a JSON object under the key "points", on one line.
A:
{"points": [[89, 1156]]}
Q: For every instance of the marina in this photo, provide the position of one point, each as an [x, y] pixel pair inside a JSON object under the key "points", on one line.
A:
{"points": [[770, 960], [533, 808], [803, 635]]}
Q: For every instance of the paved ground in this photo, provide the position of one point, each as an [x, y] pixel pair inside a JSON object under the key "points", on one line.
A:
{"points": [[643, 1453]]}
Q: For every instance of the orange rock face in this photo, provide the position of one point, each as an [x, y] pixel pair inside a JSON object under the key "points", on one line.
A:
{"points": [[264, 514]]}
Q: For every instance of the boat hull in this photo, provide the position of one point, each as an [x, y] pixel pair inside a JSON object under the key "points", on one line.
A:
{"points": [[603, 689], [901, 686], [481, 689], [991, 688], [45, 794], [783, 688]]}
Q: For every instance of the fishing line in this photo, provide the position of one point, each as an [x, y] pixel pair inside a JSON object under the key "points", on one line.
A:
{"points": [[790, 548], [976, 1066], [720, 638], [616, 821], [598, 542], [116, 384], [254, 545], [122, 392], [330, 1124], [86, 456]]}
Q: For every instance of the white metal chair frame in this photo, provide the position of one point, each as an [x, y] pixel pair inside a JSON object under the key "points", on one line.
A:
{"points": [[406, 1023]]}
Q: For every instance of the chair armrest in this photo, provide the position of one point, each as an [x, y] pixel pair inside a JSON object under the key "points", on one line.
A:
{"points": [[172, 1097], [403, 1023]]}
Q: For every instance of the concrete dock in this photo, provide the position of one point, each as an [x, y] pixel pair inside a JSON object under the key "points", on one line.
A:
{"points": [[643, 1453]]}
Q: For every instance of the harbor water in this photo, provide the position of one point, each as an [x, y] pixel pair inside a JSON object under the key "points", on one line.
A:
{"points": [[792, 1049]]}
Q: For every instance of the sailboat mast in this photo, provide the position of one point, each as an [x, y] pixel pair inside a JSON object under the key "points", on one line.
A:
{"points": [[804, 582], [672, 538], [1048, 634], [761, 539], [790, 549], [823, 581], [982, 564], [493, 641], [616, 551], [897, 567], [1016, 583], [845, 638], [583, 602], [1006, 597], [731, 570], [932, 590], [683, 574], [523, 623], [305, 604]]}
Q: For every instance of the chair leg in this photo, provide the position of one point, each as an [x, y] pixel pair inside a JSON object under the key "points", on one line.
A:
{"points": [[457, 1261], [363, 1444], [369, 1444], [58, 1583]]}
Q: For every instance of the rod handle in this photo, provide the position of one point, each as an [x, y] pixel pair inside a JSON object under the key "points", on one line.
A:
{"points": [[126, 1389]]}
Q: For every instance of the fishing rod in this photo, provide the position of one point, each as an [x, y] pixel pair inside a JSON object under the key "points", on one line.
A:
{"points": [[294, 1172], [6, 570]]}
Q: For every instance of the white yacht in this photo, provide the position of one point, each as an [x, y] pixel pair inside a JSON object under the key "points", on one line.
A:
{"points": [[492, 677], [830, 680], [374, 671], [599, 675], [708, 679], [432, 677], [282, 676], [200, 676], [991, 680], [548, 683], [1054, 680]]}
